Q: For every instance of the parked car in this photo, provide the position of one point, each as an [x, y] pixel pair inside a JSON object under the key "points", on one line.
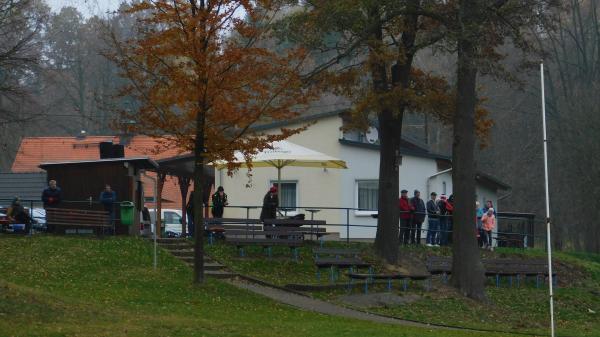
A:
{"points": [[171, 221]]}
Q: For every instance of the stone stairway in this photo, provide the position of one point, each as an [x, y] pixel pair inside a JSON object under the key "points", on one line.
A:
{"points": [[184, 251]]}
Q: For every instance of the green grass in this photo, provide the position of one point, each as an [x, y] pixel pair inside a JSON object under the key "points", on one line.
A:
{"points": [[69, 286], [523, 309]]}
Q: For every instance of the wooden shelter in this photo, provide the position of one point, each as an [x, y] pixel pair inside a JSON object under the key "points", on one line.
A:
{"points": [[83, 181]]}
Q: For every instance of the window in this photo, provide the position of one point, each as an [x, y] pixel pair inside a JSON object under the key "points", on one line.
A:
{"points": [[287, 195], [172, 218], [367, 196]]}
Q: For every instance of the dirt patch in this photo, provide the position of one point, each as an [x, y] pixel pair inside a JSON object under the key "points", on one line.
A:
{"points": [[377, 300]]}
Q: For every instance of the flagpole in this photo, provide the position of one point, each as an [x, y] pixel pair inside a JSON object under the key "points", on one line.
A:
{"points": [[548, 241]]}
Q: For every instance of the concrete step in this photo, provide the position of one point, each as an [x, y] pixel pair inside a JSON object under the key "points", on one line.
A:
{"points": [[176, 246], [219, 274], [182, 252], [190, 259], [170, 240], [208, 265]]}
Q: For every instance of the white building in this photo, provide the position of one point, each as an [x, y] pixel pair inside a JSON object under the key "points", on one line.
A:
{"points": [[352, 189]]}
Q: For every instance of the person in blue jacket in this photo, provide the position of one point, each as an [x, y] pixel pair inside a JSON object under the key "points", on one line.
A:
{"points": [[107, 198]]}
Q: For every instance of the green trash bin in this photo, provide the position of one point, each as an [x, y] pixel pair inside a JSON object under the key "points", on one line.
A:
{"points": [[127, 208]]}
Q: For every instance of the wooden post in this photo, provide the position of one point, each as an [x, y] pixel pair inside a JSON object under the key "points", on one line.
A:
{"points": [[161, 176], [184, 186]]}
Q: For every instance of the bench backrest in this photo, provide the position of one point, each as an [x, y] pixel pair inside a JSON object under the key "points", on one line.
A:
{"points": [[292, 222], [225, 221], [64, 216], [516, 265], [439, 264], [303, 230], [226, 228]]}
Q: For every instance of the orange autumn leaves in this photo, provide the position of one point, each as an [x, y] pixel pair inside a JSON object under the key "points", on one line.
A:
{"points": [[195, 57]]}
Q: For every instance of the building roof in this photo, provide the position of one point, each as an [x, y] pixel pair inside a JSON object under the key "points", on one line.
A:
{"points": [[140, 162], [407, 148], [27, 186], [34, 151]]}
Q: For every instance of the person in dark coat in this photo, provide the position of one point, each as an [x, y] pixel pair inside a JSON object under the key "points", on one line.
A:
{"points": [[107, 198], [270, 204], [17, 214], [433, 216], [219, 201], [52, 195], [418, 217], [189, 210]]}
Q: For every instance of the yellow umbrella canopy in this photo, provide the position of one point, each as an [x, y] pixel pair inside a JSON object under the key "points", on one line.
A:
{"points": [[284, 153]]}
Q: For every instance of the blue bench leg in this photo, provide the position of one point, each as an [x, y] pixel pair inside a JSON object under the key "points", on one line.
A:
{"points": [[404, 284], [510, 281], [555, 281], [428, 284], [318, 274], [366, 286], [296, 254], [445, 278], [331, 276], [518, 281], [370, 274], [389, 285], [537, 281], [241, 251], [497, 280]]}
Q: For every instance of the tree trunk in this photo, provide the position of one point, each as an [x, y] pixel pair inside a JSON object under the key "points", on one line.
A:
{"points": [[390, 138], [467, 270], [386, 240]]}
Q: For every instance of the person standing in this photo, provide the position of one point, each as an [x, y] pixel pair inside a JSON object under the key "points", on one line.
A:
{"points": [[418, 206], [433, 221], [51, 197], [445, 209], [219, 201], [270, 204], [406, 210], [189, 210], [488, 223], [108, 197], [479, 212]]}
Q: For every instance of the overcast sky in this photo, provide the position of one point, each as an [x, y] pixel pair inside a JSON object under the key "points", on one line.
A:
{"points": [[86, 7]]}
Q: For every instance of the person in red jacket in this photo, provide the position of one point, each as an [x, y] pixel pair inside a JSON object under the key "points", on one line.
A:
{"points": [[406, 210]]}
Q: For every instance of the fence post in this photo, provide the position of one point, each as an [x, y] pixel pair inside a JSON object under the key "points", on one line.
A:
{"points": [[348, 225]]}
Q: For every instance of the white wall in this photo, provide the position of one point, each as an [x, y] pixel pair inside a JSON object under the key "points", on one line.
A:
{"points": [[315, 186]]}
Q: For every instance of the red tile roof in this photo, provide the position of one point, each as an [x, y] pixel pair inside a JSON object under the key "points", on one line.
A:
{"points": [[36, 150]]}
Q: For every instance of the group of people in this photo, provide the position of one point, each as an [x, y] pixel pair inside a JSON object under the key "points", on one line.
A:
{"points": [[440, 223]]}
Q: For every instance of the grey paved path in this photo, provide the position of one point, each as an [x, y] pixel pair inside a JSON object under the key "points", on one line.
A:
{"points": [[311, 304]]}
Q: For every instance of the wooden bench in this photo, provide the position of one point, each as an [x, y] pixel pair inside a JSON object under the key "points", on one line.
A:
{"points": [[63, 218], [389, 277], [216, 227], [518, 268], [497, 268], [437, 265], [264, 238], [310, 227], [335, 258]]}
